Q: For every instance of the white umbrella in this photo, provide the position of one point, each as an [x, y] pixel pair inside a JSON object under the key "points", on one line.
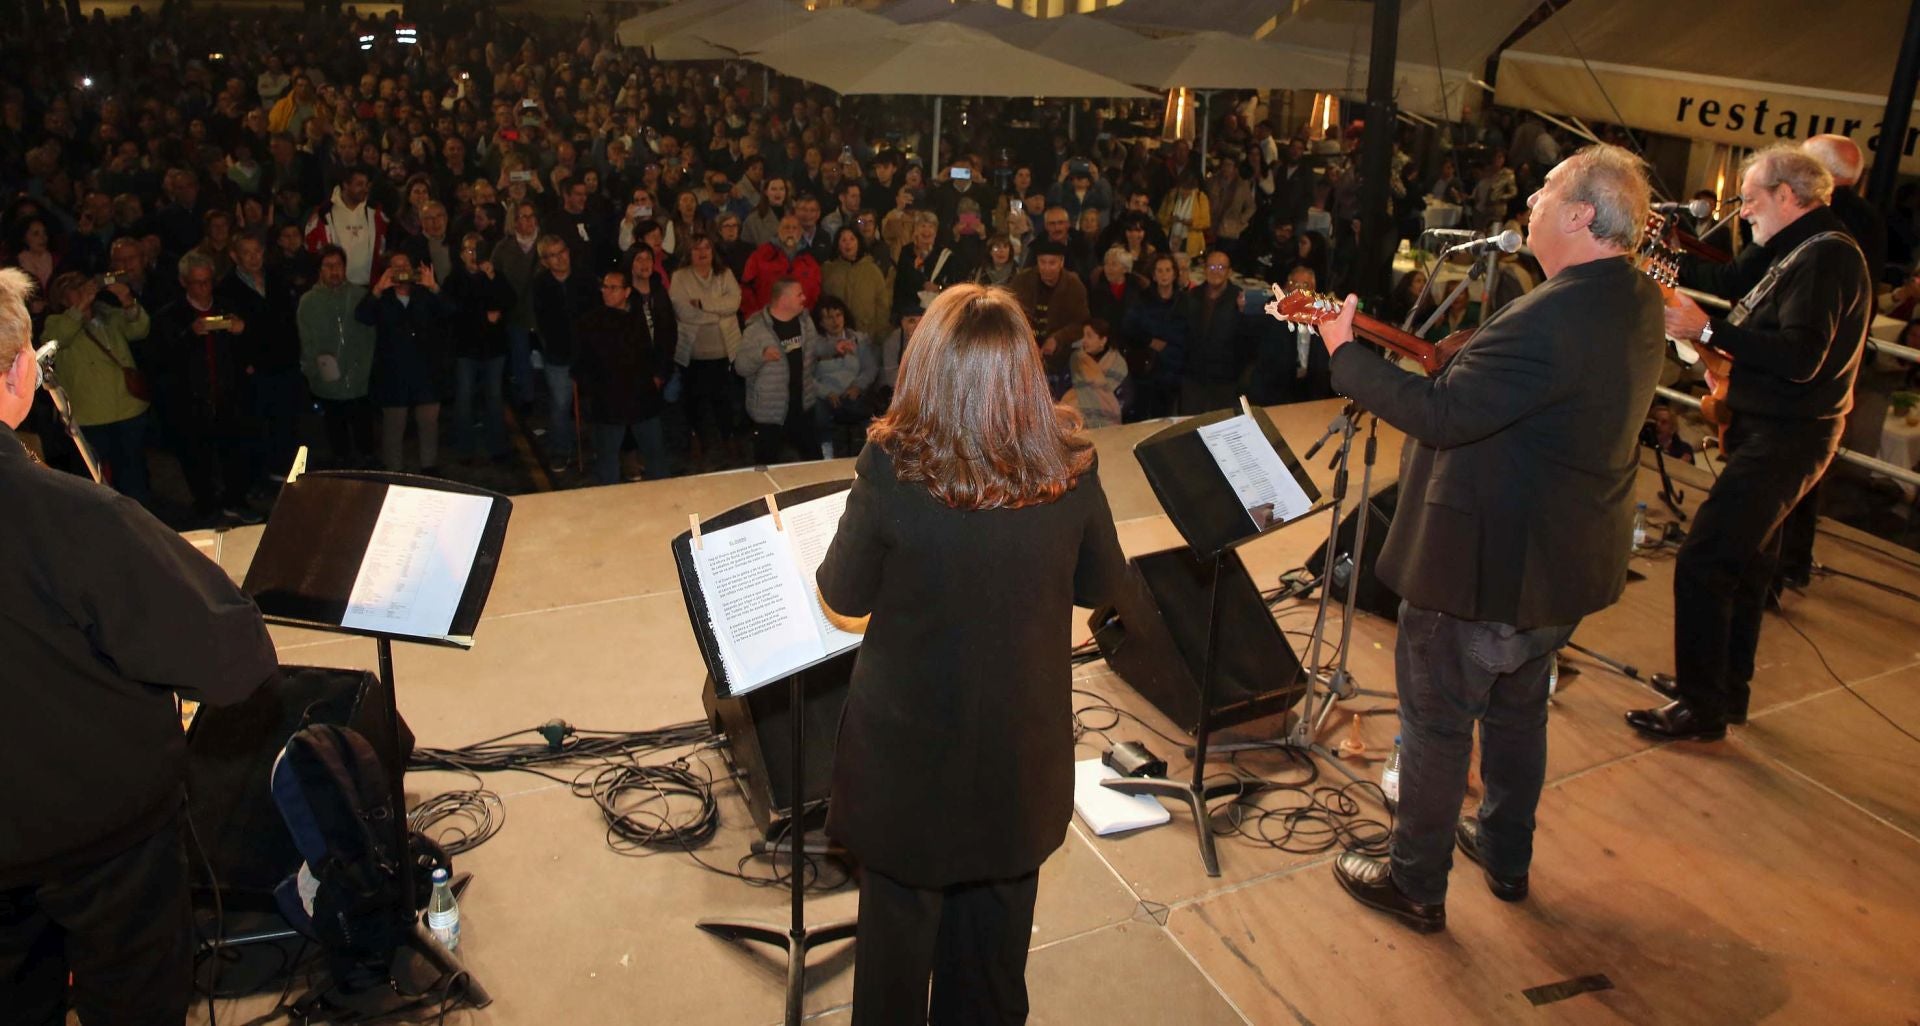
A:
{"points": [[806, 28], [1244, 18], [1075, 38], [690, 40], [643, 29]]}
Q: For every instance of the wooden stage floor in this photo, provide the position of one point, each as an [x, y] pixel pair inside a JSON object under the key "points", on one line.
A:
{"points": [[1774, 878]]}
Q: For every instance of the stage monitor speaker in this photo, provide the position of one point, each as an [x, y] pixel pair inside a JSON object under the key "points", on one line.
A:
{"points": [[230, 756], [759, 739], [1374, 597], [1155, 638]]}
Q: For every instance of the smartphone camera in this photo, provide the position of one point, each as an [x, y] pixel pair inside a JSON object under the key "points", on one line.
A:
{"points": [[961, 174]]}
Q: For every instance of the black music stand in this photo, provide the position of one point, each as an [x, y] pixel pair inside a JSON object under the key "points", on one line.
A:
{"points": [[796, 937], [1211, 517], [303, 574]]}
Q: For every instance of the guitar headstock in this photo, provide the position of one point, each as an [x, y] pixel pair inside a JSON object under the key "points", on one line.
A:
{"points": [[1658, 257], [1302, 307]]}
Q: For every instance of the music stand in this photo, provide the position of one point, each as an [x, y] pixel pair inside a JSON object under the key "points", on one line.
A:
{"points": [[1211, 517], [796, 937], [304, 574]]}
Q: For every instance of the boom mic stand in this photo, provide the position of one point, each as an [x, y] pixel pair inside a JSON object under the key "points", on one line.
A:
{"points": [[64, 406]]}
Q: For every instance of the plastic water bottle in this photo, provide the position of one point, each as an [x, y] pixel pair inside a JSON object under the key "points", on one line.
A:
{"points": [[1390, 777], [443, 912], [1643, 535]]}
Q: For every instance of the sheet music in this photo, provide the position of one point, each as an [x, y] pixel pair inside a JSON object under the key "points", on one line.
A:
{"points": [[1258, 476], [763, 616], [416, 565], [810, 529]]}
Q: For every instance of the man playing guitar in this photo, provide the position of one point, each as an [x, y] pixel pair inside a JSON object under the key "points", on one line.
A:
{"points": [[1795, 340], [1515, 516]]}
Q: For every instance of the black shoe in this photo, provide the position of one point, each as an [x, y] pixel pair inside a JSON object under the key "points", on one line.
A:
{"points": [[1370, 881], [1676, 721], [1467, 835], [1666, 686]]}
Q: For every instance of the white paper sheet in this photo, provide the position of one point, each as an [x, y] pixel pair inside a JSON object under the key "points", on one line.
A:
{"points": [[416, 565], [1106, 811], [1258, 476], [810, 527], [760, 610]]}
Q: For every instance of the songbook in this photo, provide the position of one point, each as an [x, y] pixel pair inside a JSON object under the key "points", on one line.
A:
{"points": [[756, 599], [385, 555], [1225, 477]]}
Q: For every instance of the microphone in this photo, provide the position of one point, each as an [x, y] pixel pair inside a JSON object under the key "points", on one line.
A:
{"points": [[1697, 208], [1506, 242], [43, 358]]}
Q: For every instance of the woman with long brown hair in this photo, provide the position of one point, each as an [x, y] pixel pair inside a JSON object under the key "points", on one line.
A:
{"points": [[975, 524]]}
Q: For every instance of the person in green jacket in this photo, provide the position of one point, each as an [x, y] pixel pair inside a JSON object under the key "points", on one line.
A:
{"points": [[336, 354], [96, 326]]}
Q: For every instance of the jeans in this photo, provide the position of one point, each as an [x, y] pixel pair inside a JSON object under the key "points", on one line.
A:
{"points": [[1721, 574], [647, 437], [122, 928], [519, 360], [393, 436], [121, 448], [769, 440], [1451, 674], [560, 443], [969, 939], [484, 376]]}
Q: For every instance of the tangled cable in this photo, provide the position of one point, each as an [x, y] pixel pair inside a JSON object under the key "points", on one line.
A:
{"points": [[459, 821]]}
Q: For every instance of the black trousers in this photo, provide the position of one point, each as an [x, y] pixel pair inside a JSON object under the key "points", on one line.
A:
{"points": [[349, 430], [969, 939], [1721, 575], [123, 928], [1452, 674], [1796, 537], [799, 432], [707, 388]]}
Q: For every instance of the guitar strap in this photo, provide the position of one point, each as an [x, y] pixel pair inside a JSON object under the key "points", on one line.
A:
{"points": [[1771, 280]]}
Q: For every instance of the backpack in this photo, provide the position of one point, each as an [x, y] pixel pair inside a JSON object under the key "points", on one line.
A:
{"points": [[337, 800]]}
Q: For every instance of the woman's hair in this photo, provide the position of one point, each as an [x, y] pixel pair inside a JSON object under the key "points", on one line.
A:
{"points": [[847, 229], [971, 418], [62, 287], [833, 303]]}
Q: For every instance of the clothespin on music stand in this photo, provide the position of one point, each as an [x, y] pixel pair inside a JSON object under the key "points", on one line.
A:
{"points": [[299, 465], [693, 522], [773, 506], [1246, 407]]}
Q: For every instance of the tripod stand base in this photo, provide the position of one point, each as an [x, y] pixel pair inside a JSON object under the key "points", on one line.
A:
{"points": [[1196, 798], [796, 942]]}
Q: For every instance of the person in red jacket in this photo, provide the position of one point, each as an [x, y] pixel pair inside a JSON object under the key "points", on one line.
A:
{"points": [[782, 257], [351, 221]]}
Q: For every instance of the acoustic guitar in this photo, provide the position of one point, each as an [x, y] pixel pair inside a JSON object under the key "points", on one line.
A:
{"points": [[1659, 259], [1318, 307]]}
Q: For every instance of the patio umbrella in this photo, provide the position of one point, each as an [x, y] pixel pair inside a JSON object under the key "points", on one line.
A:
{"points": [[643, 29]]}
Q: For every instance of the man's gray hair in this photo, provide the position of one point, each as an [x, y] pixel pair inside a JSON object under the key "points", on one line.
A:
{"points": [[194, 261], [1613, 181], [1839, 155], [16, 324], [782, 286], [1789, 165], [1120, 253]]}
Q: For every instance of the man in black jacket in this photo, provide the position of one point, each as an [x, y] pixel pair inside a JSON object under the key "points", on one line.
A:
{"points": [[105, 615], [1515, 517], [204, 369], [1216, 347], [1796, 341], [620, 368], [560, 295]]}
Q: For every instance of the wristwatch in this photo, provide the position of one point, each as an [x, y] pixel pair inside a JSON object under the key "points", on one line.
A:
{"points": [[1706, 334]]}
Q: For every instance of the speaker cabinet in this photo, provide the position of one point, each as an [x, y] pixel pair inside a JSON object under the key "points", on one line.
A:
{"points": [[1155, 638], [759, 739], [1374, 597], [231, 752]]}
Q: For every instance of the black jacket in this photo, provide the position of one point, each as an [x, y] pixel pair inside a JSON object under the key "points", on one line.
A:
{"points": [[1797, 353], [105, 615], [1516, 483], [557, 305], [473, 296], [273, 333], [1216, 348], [615, 363], [201, 377], [955, 755]]}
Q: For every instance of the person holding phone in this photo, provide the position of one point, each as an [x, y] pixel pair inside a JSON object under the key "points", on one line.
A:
{"points": [[953, 775]]}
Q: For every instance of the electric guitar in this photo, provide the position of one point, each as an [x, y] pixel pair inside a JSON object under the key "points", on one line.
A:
{"points": [[1318, 307]]}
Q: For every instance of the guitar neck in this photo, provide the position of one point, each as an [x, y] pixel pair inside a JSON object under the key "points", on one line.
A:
{"points": [[1402, 343]]}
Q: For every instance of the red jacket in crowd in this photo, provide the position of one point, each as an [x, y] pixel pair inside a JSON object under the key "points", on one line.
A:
{"points": [[769, 264]]}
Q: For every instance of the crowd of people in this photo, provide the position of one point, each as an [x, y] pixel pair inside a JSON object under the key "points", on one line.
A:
{"points": [[315, 229]]}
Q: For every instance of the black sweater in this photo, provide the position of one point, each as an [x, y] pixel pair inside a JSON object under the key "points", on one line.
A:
{"points": [[1798, 352], [105, 615]]}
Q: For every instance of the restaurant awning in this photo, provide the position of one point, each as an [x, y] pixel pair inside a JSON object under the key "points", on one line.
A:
{"points": [[1767, 71]]}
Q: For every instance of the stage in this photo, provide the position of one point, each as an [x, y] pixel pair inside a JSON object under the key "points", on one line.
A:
{"points": [[1773, 878]]}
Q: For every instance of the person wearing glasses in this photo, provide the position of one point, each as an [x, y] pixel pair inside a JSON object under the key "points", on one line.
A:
{"points": [[620, 370], [1216, 348], [953, 775]]}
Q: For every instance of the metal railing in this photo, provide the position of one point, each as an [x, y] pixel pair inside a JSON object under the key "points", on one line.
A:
{"points": [[1859, 459]]}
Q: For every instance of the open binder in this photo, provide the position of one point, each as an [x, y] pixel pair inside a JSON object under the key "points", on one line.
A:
{"points": [[383, 555], [747, 578]]}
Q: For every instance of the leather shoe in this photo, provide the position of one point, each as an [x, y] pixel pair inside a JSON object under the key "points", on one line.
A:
{"points": [[1370, 881], [1466, 834], [1667, 686], [1675, 721]]}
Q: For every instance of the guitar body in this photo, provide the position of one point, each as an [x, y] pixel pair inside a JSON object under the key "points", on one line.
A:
{"points": [[1659, 260]]}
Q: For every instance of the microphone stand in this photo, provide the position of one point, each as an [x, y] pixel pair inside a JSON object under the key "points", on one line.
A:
{"points": [[64, 406], [1479, 268], [1669, 495]]}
